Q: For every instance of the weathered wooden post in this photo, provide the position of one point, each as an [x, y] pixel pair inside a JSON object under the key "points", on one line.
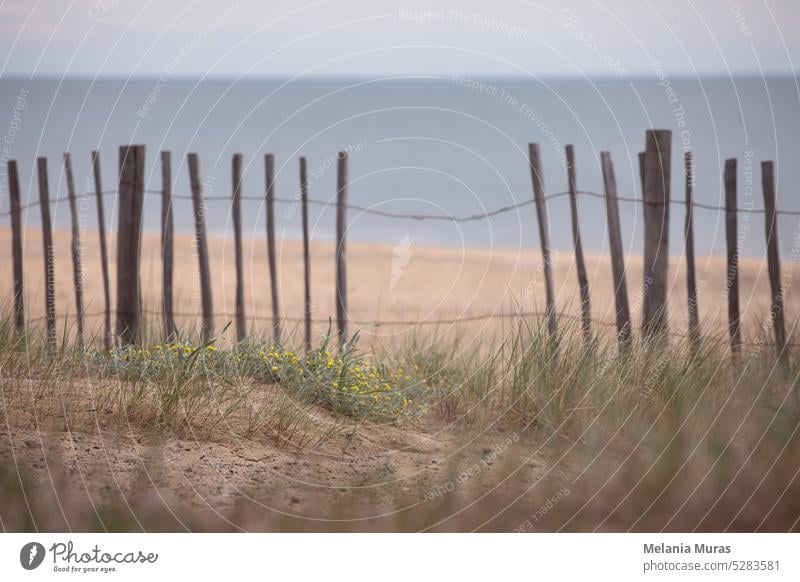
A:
{"points": [[236, 172], [341, 257], [731, 236], [77, 269], [615, 246], [16, 247], [306, 253], [269, 167], [580, 264], [202, 247], [129, 230], [773, 258], [691, 279], [656, 230], [101, 225], [167, 246], [49, 259], [544, 234]]}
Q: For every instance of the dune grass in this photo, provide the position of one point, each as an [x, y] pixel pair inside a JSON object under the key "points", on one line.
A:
{"points": [[661, 434]]}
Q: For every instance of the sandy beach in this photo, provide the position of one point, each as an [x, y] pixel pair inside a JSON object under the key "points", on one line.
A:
{"points": [[395, 285]]}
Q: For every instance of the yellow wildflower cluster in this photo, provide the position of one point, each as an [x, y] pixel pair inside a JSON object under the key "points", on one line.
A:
{"points": [[341, 382], [359, 388]]}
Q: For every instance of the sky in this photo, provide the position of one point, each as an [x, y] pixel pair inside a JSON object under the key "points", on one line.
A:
{"points": [[328, 38]]}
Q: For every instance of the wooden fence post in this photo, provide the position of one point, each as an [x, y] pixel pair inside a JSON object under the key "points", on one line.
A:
{"points": [[341, 258], [16, 247], [306, 253], [129, 230], [202, 247], [580, 264], [269, 167], [656, 199], [167, 244], [691, 279], [77, 269], [101, 223], [773, 257], [731, 235], [236, 208], [615, 246], [544, 233], [49, 259]]}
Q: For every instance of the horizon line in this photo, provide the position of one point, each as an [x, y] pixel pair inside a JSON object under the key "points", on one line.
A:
{"points": [[435, 77]]}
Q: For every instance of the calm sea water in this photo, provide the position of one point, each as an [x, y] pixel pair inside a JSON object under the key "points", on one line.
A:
{"points": [[416, 145]]}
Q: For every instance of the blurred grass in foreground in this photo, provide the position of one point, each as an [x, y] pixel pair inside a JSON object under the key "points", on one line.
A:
{"points": [[661, 436]]}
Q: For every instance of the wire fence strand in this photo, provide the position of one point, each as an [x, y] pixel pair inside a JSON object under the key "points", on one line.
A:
{"points": [[367, 324], [416, 216]]}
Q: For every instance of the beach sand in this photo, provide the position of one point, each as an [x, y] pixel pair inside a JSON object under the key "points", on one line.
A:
{"points": [[397, 285]]}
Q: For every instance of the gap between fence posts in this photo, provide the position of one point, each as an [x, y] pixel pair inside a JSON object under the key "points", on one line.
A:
{"points": [[580, 263], [77, 269], [198, 205], [544, 234], [129, 230], [101, 227], [691, 278], [615, 246], [236, 208], [773, 259], [167, 246], [16, 247], [641, 172], [306, 253], [47, 243], [656, 201], [732, 243], [269, 167], [341, 258]]}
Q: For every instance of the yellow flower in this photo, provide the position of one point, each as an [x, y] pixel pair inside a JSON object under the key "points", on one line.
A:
{"points": [[212, 348]]}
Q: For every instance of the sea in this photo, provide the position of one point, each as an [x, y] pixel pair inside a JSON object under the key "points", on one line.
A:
{"points": [[434, 146]]}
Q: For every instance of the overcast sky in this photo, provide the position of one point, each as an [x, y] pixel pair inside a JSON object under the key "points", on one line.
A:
{"points": [[378, 38]]}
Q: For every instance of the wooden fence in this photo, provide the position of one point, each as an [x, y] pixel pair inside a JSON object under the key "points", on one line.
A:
{"points": [[656, 180]]}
